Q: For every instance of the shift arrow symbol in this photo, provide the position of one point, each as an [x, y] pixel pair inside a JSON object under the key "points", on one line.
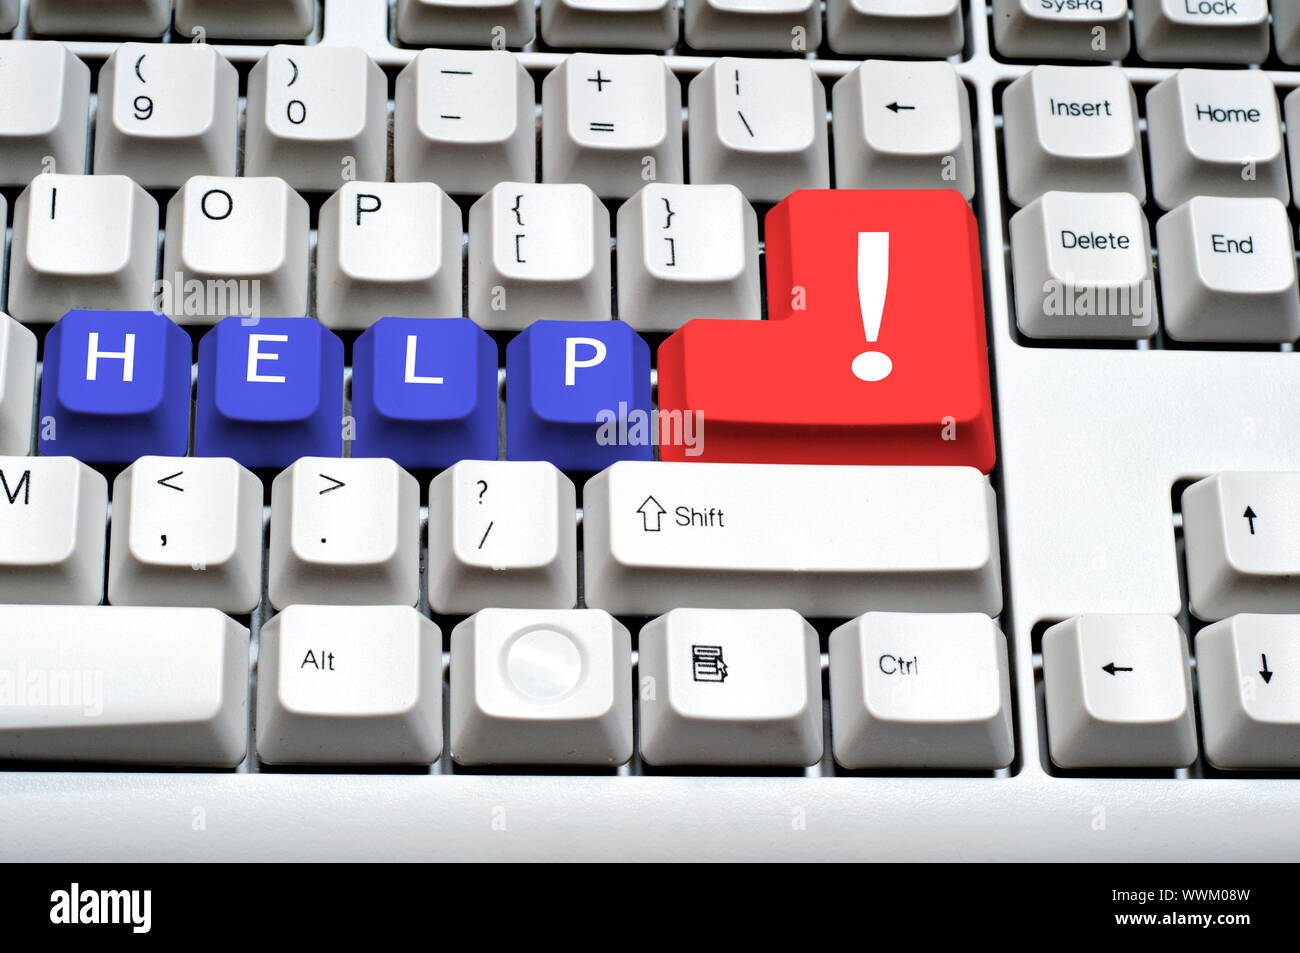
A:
{"points": [[1264, 673], [1112, 668], [1250, 516], [895, 107], [166, 481], [651, 508]]}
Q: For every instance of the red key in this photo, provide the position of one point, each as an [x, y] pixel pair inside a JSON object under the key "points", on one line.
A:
{"points": [[875, 352]]}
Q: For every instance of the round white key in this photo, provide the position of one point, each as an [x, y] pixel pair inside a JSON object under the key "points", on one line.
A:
{"points": [[1215, 132], [1119, 693], [730, 687], [895, 27], [480, 23], [1228, 271], [43, 115], [502, 534], [82, 241], [531, 686], [903, 126], [538, 251], [17, 383], [921, 690], [1083, 267], [780, 26], [1242, 532], [344, 532], [101, 17], [612, 122], [759, 125], [235, 246], [186, 531], [246, 19], [387, 248], [317, 117], [349, 685], [465, 120], [167, 112], [1034, 29], [1247, 668], [610, 24], [1073, 128], [687, 251], [1204, 31], [52, 522]]}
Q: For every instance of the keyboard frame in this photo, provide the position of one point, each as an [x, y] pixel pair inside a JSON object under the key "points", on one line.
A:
{"points": [[1078, 535]]}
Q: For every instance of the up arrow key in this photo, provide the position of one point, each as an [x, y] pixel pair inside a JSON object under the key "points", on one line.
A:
{"points": [[793, 389], [651, 509]]}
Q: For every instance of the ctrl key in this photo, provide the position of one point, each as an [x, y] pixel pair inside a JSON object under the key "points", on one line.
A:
{"points": [[1119, 693], [921, 691], [349, 685]]}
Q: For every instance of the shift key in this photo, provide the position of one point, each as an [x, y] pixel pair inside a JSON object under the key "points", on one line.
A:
{"points": [[822, 540]]}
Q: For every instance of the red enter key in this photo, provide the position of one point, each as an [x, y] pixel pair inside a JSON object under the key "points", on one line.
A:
{"points": [[875, 352]]}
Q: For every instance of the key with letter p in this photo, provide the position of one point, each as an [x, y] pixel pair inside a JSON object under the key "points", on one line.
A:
{"points": [[875, 352]]}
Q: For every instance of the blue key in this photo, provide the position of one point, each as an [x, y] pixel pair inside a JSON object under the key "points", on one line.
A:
{"points": [[270, 391], [424, 392], [578, 394], [116, 387]]}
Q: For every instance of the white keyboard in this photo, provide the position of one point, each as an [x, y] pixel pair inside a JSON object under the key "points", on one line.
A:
{"points": [[983, 546]]}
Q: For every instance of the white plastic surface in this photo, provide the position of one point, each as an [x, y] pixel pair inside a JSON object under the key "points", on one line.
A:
{"points": [[1071, 537]]}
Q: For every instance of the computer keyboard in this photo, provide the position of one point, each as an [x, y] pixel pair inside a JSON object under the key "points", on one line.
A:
{"points": [[985, 545]]}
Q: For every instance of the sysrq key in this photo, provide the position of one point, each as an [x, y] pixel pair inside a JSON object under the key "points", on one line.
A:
{"points": [[875, 352]]}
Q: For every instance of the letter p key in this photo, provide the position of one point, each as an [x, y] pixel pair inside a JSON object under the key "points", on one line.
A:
{"points": [[886, 361], [596, 356]]}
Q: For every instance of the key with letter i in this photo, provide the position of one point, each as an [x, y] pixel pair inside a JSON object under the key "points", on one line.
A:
{"points": [[875, 351]]}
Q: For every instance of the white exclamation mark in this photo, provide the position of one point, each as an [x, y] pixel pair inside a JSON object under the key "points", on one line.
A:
{"points": [[873, 285]]}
